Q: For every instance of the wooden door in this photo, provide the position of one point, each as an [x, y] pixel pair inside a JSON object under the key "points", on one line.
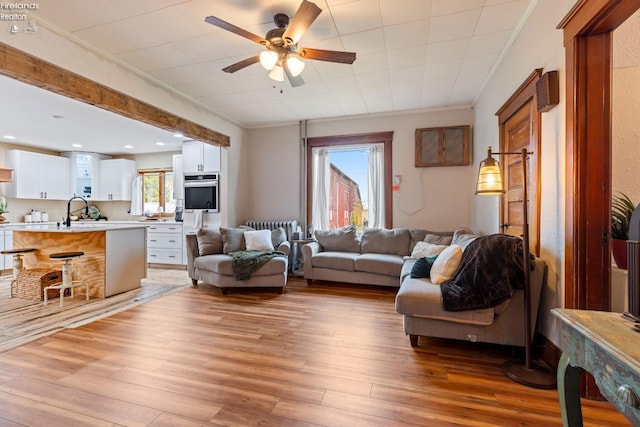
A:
{"points": [[517, 135], [520, 128]]}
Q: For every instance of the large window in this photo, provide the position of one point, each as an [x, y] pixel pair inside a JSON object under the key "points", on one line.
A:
{"points": [[157, 191], [349, 181]]}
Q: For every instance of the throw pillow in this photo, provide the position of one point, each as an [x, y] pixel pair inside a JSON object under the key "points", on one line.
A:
{"points": [[209, 241], [232, 239], [342, 239], [422, 267], [258, 240], [383, 241], [446, 264], [438, 240], [423, 249], [278, 236]]}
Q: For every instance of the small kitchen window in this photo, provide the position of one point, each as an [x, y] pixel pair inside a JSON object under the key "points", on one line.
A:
{"points": [[443, 146], [157, 191]]}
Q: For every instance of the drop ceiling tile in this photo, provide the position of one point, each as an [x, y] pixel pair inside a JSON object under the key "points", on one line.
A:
{"points": [[139, 7], [356, 16], [478, 65], [73, 16], [442, 70], [155, 58], [447, 51], [394, 12], [204, 48], [501, 17], [448, 7], [452, 27], [130, 33], [411, 77], [365, 64], [407, 34], [379, 80], [488, 43], [407, 57], [365, 42], [405, 97]]}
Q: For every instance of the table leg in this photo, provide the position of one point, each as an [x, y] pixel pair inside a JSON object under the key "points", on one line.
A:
{"points": [[568, 392]]}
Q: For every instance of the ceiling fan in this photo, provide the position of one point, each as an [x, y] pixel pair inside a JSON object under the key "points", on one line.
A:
{"points": [[282, 55]]}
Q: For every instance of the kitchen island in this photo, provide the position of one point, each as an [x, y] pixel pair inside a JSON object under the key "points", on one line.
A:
{"points": [[114, 258]]}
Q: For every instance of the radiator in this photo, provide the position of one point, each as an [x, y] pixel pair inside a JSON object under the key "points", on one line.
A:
{"points": [[289, 226]]}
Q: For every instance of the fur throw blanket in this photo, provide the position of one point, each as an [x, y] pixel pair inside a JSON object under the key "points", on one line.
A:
{"points": [[491, 267]]}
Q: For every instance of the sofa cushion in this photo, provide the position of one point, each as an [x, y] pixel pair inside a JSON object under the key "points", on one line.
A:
{"points": [[222, 264], [278, 236], [385, 264], [420, 235], [423, 249], [422, 267], [258, 240], [421, 298], [446, 264], [233, 239], [341, 239], [384, 241], [335, 260], [209, 241]]}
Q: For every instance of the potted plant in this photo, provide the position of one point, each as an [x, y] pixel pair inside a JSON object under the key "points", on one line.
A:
{"points": [[621, 210]]}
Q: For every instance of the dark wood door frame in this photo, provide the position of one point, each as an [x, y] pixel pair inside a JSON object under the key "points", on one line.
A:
{"points": [[385, 138], [588, 44]]}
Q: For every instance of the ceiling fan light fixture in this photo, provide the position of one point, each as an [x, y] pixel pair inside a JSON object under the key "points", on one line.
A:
{"points": [[295, 65], [277, 73], [268, 59]]}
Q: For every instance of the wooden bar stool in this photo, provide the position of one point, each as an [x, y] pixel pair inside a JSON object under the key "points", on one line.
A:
{"points": [[67, 276], [18, 265]]}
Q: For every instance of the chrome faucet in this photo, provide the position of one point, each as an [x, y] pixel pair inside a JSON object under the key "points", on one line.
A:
{"points": [[67, 221]]}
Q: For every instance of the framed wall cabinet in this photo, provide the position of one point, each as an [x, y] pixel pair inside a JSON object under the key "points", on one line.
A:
{"points": [[443, 146]]}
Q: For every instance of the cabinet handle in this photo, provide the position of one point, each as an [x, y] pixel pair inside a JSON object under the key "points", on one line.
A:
{"points": [[172, 241], [151, 240]]}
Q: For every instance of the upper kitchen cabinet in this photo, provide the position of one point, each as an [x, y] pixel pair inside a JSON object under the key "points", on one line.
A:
{"points": [[38, 176], [200, 157], [116, 179], [84, 173]]}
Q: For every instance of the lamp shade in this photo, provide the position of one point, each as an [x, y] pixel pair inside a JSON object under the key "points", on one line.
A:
{"points": [[277, 73], [295, 65], [268, 59], [489, 177]]}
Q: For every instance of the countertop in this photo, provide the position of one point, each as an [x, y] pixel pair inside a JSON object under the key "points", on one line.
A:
{"points": [[77, 228]]}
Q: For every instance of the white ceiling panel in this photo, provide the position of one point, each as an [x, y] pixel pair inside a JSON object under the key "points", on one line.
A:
{"points": [[410, 54]]}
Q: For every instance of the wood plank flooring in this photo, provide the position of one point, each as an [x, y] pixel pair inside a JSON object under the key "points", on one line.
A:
{"points": [[320, 355]]}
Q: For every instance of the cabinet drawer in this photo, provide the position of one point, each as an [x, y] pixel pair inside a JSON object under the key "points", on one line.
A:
{"points": [[164, 256], [164, 240], [164, 228]]}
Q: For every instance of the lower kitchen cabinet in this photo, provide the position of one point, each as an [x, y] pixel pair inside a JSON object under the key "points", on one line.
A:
{"points": [[164, 243]]}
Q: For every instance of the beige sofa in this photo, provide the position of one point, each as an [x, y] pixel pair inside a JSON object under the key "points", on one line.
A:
{"points": [[209, 259]]}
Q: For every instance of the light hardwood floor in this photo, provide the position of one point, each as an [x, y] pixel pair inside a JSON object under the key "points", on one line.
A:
{"points": [[324, 355]]}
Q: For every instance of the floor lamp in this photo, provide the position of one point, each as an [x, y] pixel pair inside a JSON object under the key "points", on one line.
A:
{"points": [[490, 183]]}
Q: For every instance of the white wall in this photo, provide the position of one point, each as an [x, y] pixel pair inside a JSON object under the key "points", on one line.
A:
{"points": [[437, 198], [539, 45]]}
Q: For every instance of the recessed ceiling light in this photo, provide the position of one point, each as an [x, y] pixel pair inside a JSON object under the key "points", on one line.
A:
{"points": [[8, 136], [159, 143], [178, 135], [128, 146], [76, 145]]}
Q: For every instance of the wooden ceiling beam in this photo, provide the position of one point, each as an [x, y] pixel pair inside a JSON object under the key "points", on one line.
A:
{"points": [[29, 69]]}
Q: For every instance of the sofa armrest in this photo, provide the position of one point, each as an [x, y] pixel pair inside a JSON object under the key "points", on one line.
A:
{"points": [[284, 247], [193, 252], [308, 251]]}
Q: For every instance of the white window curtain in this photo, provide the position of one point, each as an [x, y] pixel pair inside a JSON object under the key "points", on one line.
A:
{"points": [[376, 187], [320, 188]]}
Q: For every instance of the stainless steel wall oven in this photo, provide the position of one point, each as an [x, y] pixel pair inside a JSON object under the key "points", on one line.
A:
{"points": [[201, 192]]}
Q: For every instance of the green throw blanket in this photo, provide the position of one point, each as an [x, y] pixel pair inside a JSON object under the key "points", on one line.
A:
{"points": [[244, 263]]}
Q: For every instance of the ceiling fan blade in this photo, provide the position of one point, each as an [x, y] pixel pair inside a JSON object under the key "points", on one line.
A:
{"points": [[237, 30], [327, 55], [240, 65], [301, 21], [295, 81]]}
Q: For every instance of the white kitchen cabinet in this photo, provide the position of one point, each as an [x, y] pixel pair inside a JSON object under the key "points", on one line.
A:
{"points": [[200, 157], [115, 179], [164, 243], [7, 243], [38, 176], [84, 173]]}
